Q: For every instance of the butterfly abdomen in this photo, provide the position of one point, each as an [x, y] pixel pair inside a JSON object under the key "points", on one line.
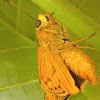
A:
{"points": [[81, 64]]}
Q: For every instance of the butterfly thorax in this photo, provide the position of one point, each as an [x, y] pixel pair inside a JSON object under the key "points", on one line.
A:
{"points": [[53, 36]]}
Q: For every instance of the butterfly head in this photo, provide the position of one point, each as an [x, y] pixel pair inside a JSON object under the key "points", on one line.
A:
{"points": [[42, 21]]}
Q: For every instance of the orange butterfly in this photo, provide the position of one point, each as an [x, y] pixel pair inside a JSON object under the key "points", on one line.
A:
{"points": [[63, 69]]}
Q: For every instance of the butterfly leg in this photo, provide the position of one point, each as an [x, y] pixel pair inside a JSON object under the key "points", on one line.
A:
{"points": [[72, 43], [83, 39], [77, 46]]}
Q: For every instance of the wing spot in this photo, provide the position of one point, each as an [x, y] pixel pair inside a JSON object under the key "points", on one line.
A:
{"points": [[65, 60], [54, 70], [51, 88], [55, 88], [48, 79], [63, 91], [59, 86], [46, 83]]}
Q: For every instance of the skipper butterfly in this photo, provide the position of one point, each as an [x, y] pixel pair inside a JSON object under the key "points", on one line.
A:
{"points": [[63, 69]]}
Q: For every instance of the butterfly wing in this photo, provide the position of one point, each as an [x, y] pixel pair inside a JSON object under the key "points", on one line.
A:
{"points": [[53, 73], [81, 65]]}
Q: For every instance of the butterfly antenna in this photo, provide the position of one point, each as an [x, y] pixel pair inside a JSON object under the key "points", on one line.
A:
{"points": [[19, 8]]}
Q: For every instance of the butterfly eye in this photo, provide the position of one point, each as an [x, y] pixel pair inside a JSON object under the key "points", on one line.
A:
{"points": [[38, 23], [47, 18]]}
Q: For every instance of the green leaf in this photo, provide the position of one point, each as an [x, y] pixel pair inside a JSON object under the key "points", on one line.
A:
{"points": [[18, 60], [18, 66], [72, 18], [78, 97], [18, 44]]}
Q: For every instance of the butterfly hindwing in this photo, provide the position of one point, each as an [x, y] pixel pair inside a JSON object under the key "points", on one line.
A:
{"points": [[81, 65], [53, 73]]}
